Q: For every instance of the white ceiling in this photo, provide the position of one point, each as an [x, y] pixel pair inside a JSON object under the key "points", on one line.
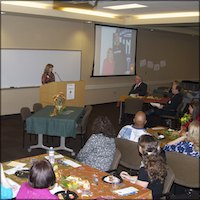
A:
{"points": [[188, 25]]}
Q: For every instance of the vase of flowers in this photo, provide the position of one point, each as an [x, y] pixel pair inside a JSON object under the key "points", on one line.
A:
{"points": [[185, 120], [59, 103]]}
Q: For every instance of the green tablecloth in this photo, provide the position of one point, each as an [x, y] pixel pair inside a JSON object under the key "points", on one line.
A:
{"points": [[61, 125]]}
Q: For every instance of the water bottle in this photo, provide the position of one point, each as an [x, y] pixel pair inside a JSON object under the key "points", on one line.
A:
{"points": [[95, 179], [51, 155]]}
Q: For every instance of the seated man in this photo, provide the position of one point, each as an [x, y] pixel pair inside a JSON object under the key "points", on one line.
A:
{"points": [[153, 114], [170, 94], [139, 87], [172, 105], [133, 132]]}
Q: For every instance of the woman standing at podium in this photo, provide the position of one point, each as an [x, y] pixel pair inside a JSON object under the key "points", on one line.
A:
{"points": [[48, 75]]}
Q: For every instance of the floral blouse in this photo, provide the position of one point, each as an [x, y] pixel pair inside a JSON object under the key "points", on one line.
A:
{"points": [[98, 152], [183, 147]]}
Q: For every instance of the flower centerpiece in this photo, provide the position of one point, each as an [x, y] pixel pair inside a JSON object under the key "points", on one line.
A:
{"points": [[185, 119], [59, 103]]}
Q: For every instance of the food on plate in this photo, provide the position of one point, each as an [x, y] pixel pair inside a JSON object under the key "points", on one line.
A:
{"points": [[111, 179]]}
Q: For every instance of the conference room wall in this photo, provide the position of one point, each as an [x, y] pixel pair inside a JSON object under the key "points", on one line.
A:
{"points": [[42, 33]]}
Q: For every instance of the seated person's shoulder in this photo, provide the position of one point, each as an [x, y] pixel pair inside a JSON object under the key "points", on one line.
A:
{"points": [[127, 127], [125, 131], [145, 84]]}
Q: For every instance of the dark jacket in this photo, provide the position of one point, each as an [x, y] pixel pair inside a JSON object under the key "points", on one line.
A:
{"points": [[141, 89]]}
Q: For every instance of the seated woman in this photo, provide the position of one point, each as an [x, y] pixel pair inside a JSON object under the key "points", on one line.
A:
{"points": [[194, 112], [153, 170], [188, 143], [6, 188], [41, 177], [99, 150]]}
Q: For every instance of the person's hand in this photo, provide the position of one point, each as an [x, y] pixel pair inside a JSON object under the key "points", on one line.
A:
{"points": [[182, 132], [124, 175]]}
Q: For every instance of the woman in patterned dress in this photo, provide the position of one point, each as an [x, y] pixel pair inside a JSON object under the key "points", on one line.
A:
{"points": [[99, 150], [187, 144]]}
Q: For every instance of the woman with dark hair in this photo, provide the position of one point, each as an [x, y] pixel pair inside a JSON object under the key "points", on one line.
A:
{"points": [[41, 177], [98, 152], [153, 170], [194, 112], [48, 75]]}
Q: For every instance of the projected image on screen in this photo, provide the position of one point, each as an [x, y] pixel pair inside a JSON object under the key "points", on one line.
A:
{"points": [[115, 50]]}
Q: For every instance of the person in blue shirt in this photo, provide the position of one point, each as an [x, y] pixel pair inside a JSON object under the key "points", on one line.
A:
{"points": [[188, 143], [134, 131], [6, 190]]}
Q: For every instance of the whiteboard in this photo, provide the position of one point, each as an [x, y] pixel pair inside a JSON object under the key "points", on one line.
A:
{"points": [[24, 67]]}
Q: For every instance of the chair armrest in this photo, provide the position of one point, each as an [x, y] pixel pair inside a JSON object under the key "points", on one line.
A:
{"points": [[168, 117], [113, 171], [167, 196]]}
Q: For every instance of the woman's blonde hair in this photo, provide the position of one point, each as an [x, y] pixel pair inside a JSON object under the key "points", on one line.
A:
{"points": [[193, 134], [48, 66]]}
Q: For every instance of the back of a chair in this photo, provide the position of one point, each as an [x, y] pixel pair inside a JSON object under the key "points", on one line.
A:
{"points": [[25, 113], [169, 179], [185, 168], [37, 107], [130, 157], [180, 109], [133, 105], [116, 160], [88, 110]]}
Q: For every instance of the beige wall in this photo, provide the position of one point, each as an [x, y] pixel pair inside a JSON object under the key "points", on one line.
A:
{"points": [[178, 50]]}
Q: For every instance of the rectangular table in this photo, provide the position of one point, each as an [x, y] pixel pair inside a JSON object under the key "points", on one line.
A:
{"points": [[168, 134], [146, 99], [63, 125], [102, 189]]}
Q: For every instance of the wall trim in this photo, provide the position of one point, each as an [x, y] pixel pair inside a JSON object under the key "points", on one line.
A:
{"points": [[121, 85]]}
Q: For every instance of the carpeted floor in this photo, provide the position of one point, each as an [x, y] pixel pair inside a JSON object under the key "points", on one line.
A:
{"points": [[12, 137]]}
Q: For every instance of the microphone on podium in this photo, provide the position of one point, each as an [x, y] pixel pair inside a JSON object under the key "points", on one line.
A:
{"points": [[58, 76]]}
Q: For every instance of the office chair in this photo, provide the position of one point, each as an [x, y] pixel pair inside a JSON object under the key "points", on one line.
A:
{"points": [[185, 168], [174, 121], [82, 126], [37, 107], [169, 179], [115, 163], [25, 112], [132, 106], [130, 157]]}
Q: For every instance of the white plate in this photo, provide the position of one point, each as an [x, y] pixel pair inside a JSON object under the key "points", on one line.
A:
{"points": [[161, 136], [155, 104], [158, 128], [111, 179]]}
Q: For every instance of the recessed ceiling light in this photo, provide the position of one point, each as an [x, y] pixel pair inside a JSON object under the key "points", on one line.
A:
{"points": [[125, 6], [3, 13], [88, 22], [168, 15], [89, 12], [27, 4]]}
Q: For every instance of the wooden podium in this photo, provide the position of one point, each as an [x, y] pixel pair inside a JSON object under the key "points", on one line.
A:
{"points": [[47, 91]]}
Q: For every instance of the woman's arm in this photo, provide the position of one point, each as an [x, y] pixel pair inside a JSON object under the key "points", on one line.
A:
{"points": [[176, 141], [133, 179], [144, 184]]}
